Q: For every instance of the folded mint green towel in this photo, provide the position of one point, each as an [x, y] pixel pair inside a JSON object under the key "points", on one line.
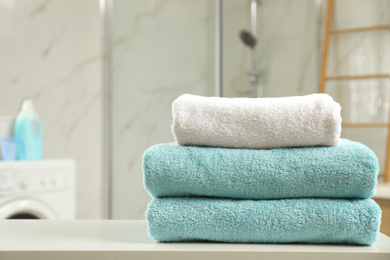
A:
{"points": [[348, 170], [264, 221]]}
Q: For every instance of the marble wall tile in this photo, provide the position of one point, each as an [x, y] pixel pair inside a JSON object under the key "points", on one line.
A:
{"points": [[360, 53], [51, 53], [363, 100], [360, 13], [160, 50], [286, 54], [372, 137], [237, 56], [289, 36], [363, 53], [279, 19]]}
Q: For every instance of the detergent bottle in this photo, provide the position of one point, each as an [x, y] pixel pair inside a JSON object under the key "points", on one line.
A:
{"points": [[28, 132]]}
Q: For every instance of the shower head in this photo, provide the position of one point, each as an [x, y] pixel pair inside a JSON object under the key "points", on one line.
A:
{"points": [[248, 39]]}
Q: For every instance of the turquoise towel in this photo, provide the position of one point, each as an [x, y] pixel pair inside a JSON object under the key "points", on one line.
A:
{"points": [[348, 170], [264, 221]]}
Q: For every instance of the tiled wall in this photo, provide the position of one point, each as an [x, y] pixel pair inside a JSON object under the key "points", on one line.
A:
{"points": [[51, 53], [362, 53], [286, 51], [159, 50]]}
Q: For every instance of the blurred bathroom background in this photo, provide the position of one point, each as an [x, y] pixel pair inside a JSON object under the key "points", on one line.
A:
{"points": [[102, 74]]}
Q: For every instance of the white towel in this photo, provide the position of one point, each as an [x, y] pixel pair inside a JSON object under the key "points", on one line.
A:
{"points": [[311, 120]]}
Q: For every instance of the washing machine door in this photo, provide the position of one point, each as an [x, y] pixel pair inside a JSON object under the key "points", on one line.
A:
{"points": [[26, 209]]}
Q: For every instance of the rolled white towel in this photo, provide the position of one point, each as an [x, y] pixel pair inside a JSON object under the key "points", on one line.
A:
{"points": [[311, 120]]}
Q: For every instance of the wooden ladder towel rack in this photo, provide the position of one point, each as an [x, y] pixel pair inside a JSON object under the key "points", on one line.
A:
{"points": [[324, 78]]}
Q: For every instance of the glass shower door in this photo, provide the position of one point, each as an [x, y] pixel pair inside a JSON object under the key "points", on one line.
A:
{"points": [[160, 49], [284, 60]]}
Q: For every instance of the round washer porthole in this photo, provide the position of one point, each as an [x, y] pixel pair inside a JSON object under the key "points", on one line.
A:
{"points": [[26, 209], [23, 215]]}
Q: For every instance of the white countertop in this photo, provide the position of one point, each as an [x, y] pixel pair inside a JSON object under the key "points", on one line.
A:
{"points": [[128, 239]]}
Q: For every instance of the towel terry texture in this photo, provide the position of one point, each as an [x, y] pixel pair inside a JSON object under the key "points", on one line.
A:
{"points": [[261, 170], [264, 221], [311, 120], [348, 170]]}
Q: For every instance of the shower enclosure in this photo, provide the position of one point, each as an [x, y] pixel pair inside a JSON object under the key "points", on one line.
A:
{"points": [[157, 50]]}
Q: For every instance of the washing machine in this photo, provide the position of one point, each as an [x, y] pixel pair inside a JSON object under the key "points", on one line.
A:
{"points": [[43, 189]]}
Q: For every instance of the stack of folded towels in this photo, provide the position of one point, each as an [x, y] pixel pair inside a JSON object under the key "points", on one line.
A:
{"points": [[261, 170]]}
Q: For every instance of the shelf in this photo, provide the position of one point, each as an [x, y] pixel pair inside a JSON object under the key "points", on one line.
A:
{"points": [[128, 239], [365, 125], [324, 78], [373, 76], [361, 29]]}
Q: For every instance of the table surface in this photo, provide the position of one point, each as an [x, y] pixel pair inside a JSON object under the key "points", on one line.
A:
{"points": [[130, 236]]}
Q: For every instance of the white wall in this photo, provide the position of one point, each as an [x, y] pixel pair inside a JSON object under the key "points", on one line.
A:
{"points": [[363, 53], [160, 49], [51, 52], [286, 51]]}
